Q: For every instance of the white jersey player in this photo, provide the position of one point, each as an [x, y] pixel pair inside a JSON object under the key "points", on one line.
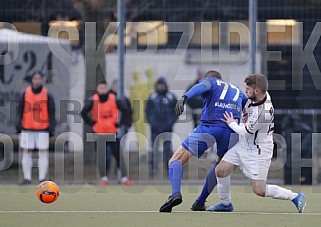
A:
{"points": [[254, 150], [258, 119]]}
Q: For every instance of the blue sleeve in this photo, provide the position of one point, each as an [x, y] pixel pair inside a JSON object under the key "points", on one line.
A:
{"points": [[203, 86]]}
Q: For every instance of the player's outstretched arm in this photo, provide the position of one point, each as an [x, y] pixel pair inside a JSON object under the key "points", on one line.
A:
{"points": [[203, 86]]}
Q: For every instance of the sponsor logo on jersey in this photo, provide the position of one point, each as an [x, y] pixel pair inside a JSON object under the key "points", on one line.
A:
{"points": [[230, 106]]}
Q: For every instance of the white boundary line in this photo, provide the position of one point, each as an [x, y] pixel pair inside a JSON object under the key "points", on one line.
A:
{"points": [[147, 211]]}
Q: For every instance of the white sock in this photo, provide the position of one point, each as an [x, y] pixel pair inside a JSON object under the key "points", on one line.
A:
{"points": [[123, 179], [43, 163], [224, 189], [104, 178], [277, 192], [26, 163]]}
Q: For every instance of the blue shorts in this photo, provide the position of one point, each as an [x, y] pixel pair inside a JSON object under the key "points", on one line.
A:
{"points": [[204, 137]]}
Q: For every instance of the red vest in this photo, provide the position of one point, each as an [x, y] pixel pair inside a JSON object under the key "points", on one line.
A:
{"points": [[35, 112], [105, 114]]}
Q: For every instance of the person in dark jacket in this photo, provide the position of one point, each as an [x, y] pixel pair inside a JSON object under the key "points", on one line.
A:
{"points": [[126, 111], [35, 123], [101, 112], [160, 114]]}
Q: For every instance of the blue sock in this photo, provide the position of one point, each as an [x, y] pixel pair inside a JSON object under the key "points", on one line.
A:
{"points": [[209, 185], [175, 170]]}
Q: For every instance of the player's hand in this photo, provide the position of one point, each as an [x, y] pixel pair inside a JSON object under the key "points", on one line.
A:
{"points": [[228, 118], [179, 108], [51, 134], [92, 123], [18, 128]]}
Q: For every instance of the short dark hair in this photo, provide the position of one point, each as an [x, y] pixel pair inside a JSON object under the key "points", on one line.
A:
{"points": [[102, 82], [213, 74], [257, 81], [38, 72]]}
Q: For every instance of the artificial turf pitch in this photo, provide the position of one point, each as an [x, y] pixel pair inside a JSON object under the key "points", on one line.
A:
{"points": [[114, 205]]}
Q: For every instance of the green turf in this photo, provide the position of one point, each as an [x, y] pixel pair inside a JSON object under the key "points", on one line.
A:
{"points": [[138, 206]]}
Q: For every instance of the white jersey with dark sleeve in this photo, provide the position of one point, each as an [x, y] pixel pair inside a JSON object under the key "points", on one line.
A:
{"points": [[258, 126]]}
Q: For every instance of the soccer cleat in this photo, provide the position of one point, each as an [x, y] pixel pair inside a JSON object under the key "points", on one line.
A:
{"points": [[128, 182], [103, 183], [299, 202], [221, 208], [25, 182], [197, 206], [172, 201]]}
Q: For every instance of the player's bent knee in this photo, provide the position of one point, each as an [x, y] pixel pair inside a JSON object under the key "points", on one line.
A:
{"points": [[259, 191], [220, 172], [259, 187], [175, 157], [181, 154]]}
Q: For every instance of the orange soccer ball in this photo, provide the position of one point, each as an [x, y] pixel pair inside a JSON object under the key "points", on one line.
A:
{"points": [[47, 192]]}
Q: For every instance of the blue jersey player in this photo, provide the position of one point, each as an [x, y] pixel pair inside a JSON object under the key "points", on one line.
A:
{"points": [[218, 97]]}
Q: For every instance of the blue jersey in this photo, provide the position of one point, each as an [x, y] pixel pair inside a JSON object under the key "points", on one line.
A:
{"points": [[218, 97]]}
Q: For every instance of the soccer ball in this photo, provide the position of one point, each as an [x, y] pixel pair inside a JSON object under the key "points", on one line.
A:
{"points": [[47, 192]]}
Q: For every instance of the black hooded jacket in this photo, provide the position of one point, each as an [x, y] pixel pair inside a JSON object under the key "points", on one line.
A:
{"points": [[126, 111], [160, 109]]}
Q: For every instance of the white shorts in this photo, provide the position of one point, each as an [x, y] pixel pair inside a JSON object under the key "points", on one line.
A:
{"points": [[34, 139], [254, 165]]}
